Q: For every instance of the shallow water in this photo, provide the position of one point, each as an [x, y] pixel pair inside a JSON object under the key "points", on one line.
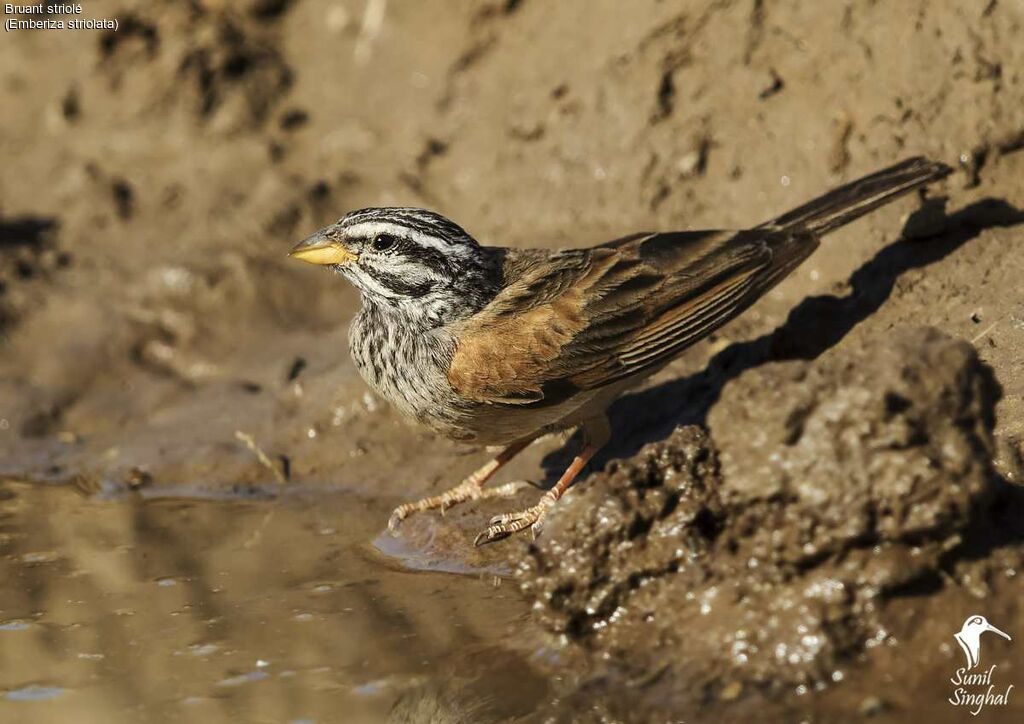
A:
{"points": [[230, 610]]}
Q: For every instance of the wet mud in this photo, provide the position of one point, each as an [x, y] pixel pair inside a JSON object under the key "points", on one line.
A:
{"points": [[781, 550]]}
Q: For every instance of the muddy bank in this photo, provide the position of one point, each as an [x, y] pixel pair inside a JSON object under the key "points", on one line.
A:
{"points": [[830, 501]]}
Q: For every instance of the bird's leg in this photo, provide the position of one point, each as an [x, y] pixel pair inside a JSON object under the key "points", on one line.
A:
{"points": [[469, 489], [597, 433]]}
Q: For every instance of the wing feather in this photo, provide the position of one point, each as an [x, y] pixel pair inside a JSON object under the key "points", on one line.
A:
{"points": [[582, 319]]}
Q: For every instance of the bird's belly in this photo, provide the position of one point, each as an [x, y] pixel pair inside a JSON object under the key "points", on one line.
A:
{"points": [[494, 425], [436, 407], [416, 392], [409, 372], [466, 421], [505, 424]]}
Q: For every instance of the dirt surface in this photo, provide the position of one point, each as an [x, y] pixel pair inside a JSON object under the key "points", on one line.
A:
{"points": [[155, 343], [779, 553]]}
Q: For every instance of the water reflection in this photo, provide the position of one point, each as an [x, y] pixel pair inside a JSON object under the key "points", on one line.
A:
{"points": [[227, 611]]}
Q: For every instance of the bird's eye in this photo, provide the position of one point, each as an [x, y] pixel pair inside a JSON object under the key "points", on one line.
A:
{"points": [[383, 242]]}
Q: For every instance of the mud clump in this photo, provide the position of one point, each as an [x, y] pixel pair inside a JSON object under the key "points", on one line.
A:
{"points": [[29, 257], [764, 555], [890, 443]]}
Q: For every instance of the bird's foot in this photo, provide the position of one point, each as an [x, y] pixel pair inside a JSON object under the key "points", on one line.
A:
{"points": [[464, 491], [502, 526]]}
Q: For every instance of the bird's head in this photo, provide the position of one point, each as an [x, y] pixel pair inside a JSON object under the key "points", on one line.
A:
{"points": [[977, 625], [411, 261]]}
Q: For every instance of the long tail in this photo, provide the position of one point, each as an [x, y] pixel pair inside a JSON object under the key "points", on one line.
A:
{"points": [[847, 203]]}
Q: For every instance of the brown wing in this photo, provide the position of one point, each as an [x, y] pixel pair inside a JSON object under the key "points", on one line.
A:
{"points": [[582, 319]]}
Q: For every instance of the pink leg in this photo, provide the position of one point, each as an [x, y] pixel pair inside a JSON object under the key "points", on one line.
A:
{"points": [[597, 433], [469, 489]]}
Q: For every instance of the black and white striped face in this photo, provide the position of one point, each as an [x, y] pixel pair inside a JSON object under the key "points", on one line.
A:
{"points": [[413, 260]]}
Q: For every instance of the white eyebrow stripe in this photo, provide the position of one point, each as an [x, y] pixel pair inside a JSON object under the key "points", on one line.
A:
{"points": [[370, 229]]}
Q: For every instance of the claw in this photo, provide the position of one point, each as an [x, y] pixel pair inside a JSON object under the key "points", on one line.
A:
{"points": [[504, 519], [502, 526], [397, 516], [490, 535], [469, 489]]}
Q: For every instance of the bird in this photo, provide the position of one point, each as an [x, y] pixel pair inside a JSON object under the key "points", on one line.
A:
{"points": [[969, 638], [500, 346]]}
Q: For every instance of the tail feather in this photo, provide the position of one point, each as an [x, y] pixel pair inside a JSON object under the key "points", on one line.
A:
{"points": [[848, 203]]}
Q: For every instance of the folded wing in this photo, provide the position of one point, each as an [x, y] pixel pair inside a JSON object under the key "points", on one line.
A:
{"points": [[582, 319]]}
